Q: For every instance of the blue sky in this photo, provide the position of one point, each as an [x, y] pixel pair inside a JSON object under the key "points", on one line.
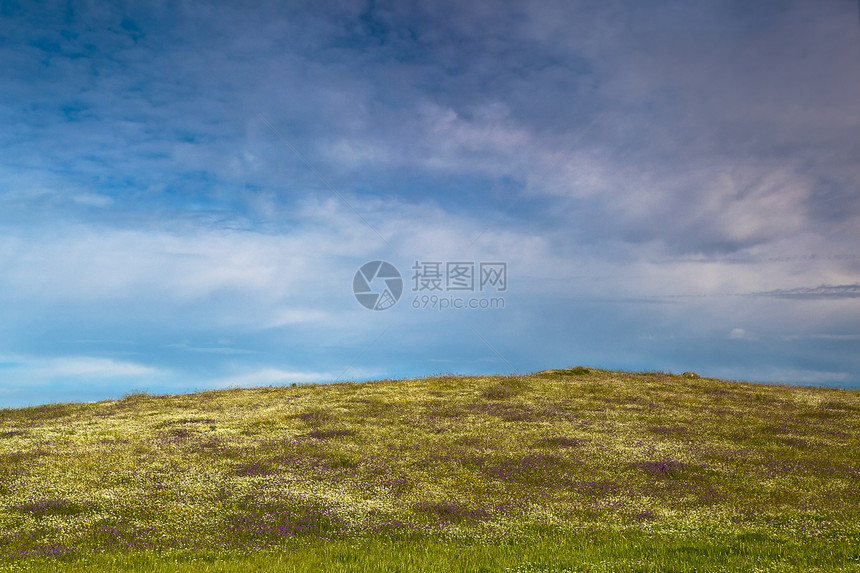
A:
{"points": [[187, 190]]}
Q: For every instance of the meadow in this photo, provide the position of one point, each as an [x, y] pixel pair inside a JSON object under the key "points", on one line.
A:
{"points": [[565, 470]]}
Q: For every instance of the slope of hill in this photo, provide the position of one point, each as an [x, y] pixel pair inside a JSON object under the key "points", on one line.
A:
{"points": [[560, 470]]}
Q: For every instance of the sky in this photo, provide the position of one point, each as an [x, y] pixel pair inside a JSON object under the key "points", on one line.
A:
{"points": [[190, 191]]}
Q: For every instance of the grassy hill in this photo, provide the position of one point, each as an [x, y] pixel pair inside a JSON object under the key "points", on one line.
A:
{"points": [[563, 470]]}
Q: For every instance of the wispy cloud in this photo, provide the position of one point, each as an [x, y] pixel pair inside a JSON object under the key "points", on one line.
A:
{"points": [[82, 367], [28, 379], [822, 292], [276, 376], [186, 347]]}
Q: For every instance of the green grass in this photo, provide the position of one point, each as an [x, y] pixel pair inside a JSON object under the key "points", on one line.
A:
{"points": [[543, 553], [565, 470]]}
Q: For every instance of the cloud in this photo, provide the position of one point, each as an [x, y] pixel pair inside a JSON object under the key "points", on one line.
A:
{"points": [[826, 336], [276, 377], [85, 367], [269, 376], [823, 292], [649, 117], [186, 347], [28, 379]]}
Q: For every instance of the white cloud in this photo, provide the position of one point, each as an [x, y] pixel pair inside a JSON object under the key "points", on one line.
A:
{"points": [[87, 367], [269, 376], [21, 372], [278, 376]]}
